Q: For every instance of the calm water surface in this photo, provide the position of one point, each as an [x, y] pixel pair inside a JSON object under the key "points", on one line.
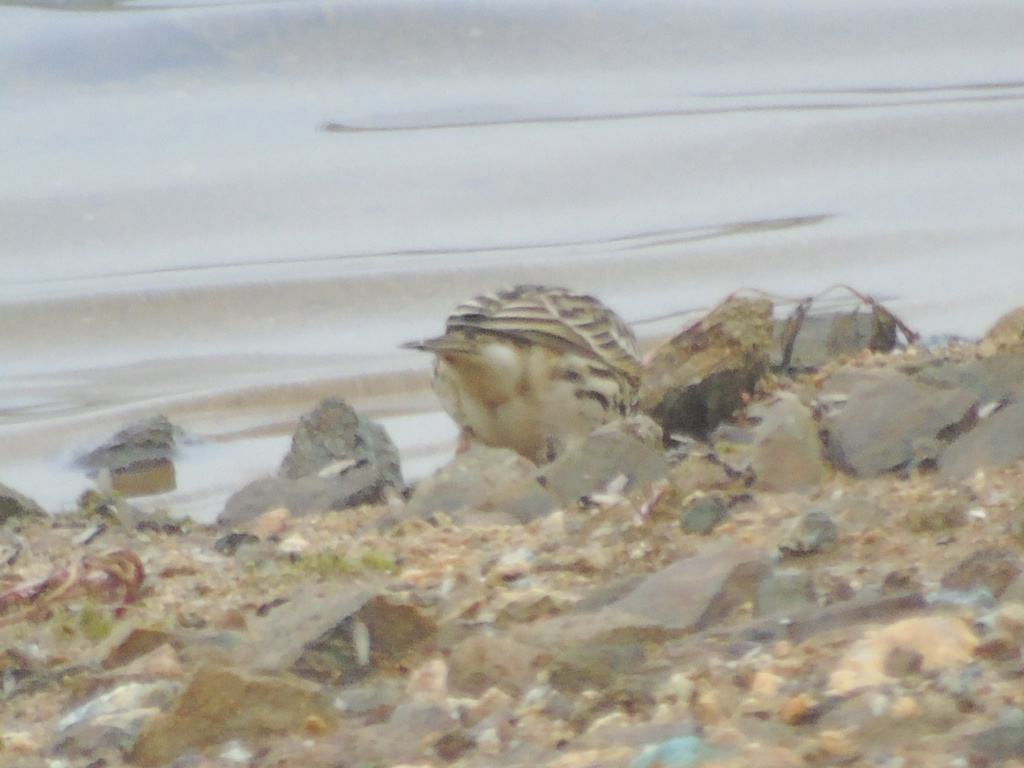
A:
{"points": [[228, 211]]}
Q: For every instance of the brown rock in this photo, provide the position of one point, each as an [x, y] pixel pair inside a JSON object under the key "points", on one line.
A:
{"points": [[699, 378], [1007, 333], [222, 704], [480, 662], [787, 452]]}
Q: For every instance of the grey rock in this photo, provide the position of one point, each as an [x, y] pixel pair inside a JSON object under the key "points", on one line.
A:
{"points": [[704, 515], [486, 483], [596, 463], [995, 379], [784, 591], [787, 452], [332, 439], [688, 595], [15, 505], [998, 744], [805, 341], [997, 440], [145, 440], [307, 495], [337, 460], [886, 417]]}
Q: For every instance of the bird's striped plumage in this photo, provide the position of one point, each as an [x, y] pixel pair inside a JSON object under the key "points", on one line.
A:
{"points": [[534, 367]]}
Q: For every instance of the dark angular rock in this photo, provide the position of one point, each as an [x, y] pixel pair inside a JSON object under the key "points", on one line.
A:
{"points": [[332, 439], [337, 460], [454, 745], [338, 635], [888, 418], [995, 441], [699, 378]]}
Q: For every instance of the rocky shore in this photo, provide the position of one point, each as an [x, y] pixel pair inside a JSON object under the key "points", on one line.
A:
{"points": [[809, 552]]}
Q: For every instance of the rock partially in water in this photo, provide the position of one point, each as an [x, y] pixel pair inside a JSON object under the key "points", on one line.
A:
{"points": [[699, 378], [139, 458], [337, 460], [333, 438], [484, 484], [890, 422], [16, 506]]}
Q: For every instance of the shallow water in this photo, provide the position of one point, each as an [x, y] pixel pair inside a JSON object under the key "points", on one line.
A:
{"points": [[227, 211]]}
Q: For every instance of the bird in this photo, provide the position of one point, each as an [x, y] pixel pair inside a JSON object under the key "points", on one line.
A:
{"points": [[534, 368]]}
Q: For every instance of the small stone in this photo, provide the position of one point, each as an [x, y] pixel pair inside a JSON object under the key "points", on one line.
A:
{"points": [[454, 745], [994, 568], [998, 646], [812, 533], [484, 484], [704, 515]]}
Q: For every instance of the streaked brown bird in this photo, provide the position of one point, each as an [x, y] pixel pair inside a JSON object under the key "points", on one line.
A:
{"points": [[534, 368]]}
